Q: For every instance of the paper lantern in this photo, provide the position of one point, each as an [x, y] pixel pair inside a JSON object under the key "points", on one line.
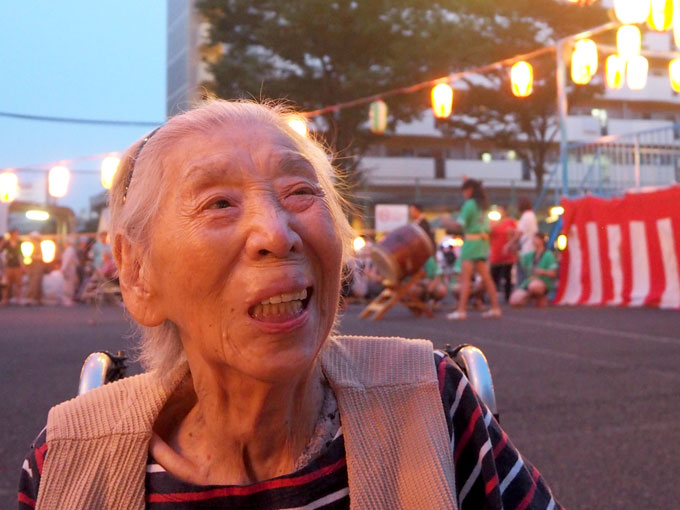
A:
{"points": [[583, 61], [9, 187], [49, 250], [661, 15], [636, 73], [109, 169], [561, 242], [674, 74], [631, 11], [442, 100], [615, 71], [522, 79], [26, 248], [628, 41], [676, 23], [57, 181], [377, 117]]}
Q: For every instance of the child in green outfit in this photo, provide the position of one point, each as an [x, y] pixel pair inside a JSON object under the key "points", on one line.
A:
{"points": [[541, 266], [475, 251]]}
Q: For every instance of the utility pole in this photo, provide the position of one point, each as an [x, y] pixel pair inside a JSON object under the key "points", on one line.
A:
{"points": [[561, 47]]}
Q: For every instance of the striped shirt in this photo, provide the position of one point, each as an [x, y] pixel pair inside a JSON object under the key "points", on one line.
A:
{"points": [[490, 472]]}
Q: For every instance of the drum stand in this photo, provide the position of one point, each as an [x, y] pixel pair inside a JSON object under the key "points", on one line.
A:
{"points": [[397, 293]]}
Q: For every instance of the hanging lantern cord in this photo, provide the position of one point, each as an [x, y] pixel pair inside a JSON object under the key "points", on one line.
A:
{"points": [[447, 79], [431, 83]]}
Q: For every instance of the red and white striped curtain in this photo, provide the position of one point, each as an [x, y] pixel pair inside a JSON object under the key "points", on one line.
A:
{"points": [[623, 251]]}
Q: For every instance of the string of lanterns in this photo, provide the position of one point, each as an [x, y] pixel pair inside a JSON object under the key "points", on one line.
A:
{"points": [[58, 180], [626, 66]]}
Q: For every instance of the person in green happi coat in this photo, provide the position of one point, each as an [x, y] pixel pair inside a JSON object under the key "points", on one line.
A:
{"points": [[475, 251], [541, 267]]}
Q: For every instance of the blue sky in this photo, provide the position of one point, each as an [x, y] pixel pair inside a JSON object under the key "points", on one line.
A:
{"points": [[81, 59]]}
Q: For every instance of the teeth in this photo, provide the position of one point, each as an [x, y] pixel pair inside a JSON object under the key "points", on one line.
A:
{"points": [[285, 298], [271, 309]]}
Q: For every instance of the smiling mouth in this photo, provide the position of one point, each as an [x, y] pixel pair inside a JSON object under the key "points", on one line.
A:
{"points": [[283, 307]]}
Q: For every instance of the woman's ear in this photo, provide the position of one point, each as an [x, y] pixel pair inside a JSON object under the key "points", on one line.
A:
{"points": [[135, 285]]}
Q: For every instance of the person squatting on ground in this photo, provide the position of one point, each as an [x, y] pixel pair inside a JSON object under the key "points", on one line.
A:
{"points": [[432, 288], [541, 267], [229, 237], [475, 251]]}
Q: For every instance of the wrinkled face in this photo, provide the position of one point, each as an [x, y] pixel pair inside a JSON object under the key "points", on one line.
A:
{"points": [[244, 256]]}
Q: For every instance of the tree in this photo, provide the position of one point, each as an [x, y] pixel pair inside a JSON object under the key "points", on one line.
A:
{"points": [[317, 53], [485, 107]]}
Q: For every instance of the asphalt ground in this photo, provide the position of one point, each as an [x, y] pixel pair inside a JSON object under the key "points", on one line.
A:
{"points": [[589, 395]]}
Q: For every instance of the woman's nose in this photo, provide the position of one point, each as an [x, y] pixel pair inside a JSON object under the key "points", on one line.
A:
{"points": [[270, 232]]}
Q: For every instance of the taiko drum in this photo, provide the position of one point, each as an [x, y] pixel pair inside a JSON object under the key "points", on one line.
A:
{"points": [[402, 252]]}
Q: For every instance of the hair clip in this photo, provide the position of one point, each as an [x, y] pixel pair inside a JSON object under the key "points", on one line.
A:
{"points": [[128, 177]]}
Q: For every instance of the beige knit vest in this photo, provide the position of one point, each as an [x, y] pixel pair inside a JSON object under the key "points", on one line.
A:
{"points": [[391, 412]]}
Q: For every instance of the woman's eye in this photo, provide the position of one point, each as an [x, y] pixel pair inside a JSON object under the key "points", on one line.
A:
{"points": [[220, 204], [303, 191]]}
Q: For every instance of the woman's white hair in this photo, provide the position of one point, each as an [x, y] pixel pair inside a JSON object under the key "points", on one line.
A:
{"points": [[134, 200]]}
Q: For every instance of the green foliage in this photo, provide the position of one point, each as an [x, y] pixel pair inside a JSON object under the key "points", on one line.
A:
{"points": [[317, 53]]}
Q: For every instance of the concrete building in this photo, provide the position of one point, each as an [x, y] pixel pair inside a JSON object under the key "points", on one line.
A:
{"points": [[186, 49]]}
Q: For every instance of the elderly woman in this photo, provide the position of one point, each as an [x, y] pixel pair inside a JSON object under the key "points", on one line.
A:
{"points": [[229, 239]]}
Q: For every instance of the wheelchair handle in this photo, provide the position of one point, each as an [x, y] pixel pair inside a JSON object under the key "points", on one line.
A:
{"points": [[475, 366], [100, 368]]}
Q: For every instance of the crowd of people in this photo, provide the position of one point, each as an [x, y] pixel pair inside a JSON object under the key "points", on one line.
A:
{"points": [[482, 260], [83, 271]]}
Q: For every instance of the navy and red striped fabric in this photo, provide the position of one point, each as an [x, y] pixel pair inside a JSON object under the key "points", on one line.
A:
{"points": [[490, 472]]}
